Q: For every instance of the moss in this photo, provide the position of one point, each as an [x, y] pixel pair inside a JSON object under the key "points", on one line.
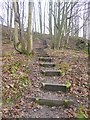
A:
{"points": [[68, 84], [81, 114], [66, 103], [64, 67], [62, 72]]}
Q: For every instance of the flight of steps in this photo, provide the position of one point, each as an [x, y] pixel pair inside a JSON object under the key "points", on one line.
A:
{"points": [[49, 70]]}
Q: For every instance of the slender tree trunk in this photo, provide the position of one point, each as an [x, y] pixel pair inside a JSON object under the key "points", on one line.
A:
{"points": [[85, 26], [8, 16], [35, 19], [55, 28], [22, 30], [15, 23], [44, 18], [61, 28], [72, 23], [58, 13], [23, 16], [30, 41], [76, 21], [65, 25], [11, 16], [50, 22], [89, 20], [50, 18], [40, 16], [68, 27]]}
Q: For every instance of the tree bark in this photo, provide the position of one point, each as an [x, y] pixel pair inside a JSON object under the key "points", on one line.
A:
{"points": [[40, 16], [85, 25], [89, 20], [11, 15], [15, 23], [30, 41], [8, 16]]}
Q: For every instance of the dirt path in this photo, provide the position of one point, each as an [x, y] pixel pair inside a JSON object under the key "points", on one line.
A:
{"points": [[33, 110], [25, 107]]}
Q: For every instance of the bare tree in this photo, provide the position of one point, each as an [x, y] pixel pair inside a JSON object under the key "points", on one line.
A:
{"points": [[8, 15], [30, 41], [40, 16], [35, 19], [44, 18], [55, 17], [89, 20], [50, 19], [16, 40], [11, 18]]}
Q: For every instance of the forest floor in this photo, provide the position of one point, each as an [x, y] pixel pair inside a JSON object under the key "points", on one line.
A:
{"points": [[21, 80]]}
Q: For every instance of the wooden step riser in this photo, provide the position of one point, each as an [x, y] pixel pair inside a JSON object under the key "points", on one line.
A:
{"points": [[43, 55], [47, 65], [45, 59], [53, 87], [50, 103], [51, 73]]}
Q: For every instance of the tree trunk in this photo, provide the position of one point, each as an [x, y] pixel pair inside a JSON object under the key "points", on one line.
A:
{"points": [[29, 43], [76, 21], [15, 23], [58, 13], [40, 16], [61, 32], [85, 25], [50, 18], [89, 20], [68, 27], [11, 16], [50, 22], [35, 19], [8, 16], [20, 29], [55, 28], [44, 19]]}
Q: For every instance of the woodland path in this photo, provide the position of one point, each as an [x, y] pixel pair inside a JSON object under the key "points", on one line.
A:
{"points": [[48, 85], [32, 109]]}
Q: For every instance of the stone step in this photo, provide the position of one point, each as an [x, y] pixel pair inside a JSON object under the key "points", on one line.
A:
{"points": [[54, 102], [47, 64], [51, 72], [38, 49], [42, 55], [55, 87], [45, 59]]}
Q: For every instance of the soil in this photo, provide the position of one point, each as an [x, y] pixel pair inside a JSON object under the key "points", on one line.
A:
{"points": [[77, 75]]}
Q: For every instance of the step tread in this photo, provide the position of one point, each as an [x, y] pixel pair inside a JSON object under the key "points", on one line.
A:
{"points": [[55, 87], [47, 64], [51, 72], [52, 102], [45, 58]]}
